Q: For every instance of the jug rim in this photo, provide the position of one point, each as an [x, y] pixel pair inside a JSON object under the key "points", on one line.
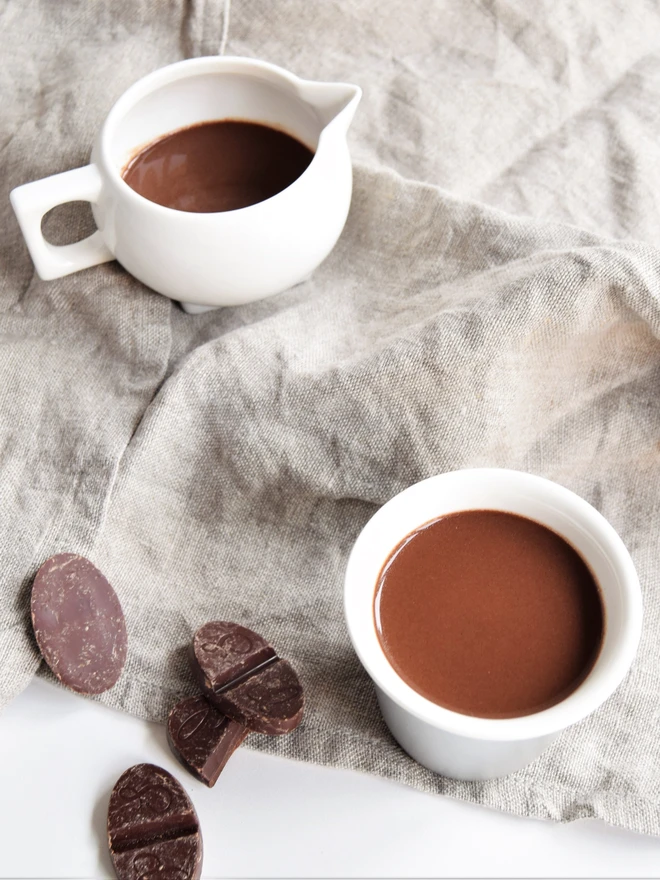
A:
{"points": [[189, 67]]}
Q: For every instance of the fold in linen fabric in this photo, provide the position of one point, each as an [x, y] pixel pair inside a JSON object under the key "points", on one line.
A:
{"points": [[493, 301]]}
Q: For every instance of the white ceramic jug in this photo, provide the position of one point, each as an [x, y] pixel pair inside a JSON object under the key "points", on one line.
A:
{"points": [[205, 260]]}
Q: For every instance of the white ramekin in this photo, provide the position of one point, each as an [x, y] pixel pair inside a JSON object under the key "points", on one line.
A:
{"points": [[462, 746]]}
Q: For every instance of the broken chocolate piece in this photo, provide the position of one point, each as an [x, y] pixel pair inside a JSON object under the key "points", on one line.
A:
{"points": [[242, 676], [153, 829], [202, 738], [226, 651], [78, 623], [269, 701]]}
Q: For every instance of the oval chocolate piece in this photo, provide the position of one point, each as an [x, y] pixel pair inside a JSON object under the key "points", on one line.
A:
{"points": [[78, 623], [153, 829], [202, 738], [224, 651], [270, 701], [242, 676]]}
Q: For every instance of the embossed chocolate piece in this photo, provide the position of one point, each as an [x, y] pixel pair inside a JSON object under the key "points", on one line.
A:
{"points": [[242, 676], [153, 829], [269, 701], [202, 738], [225, 651], [78, 623]]}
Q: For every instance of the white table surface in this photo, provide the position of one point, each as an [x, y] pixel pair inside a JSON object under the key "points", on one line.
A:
{"points": [[266, 816]]}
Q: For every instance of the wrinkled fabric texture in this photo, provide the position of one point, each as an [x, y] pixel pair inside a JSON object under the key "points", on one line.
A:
{"points": [[493, 301]]}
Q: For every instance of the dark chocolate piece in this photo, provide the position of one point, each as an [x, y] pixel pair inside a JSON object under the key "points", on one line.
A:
{"points": [[202, 738], [242, 676], [78, 623], [153, 829], [269, 701], [225, 651]]}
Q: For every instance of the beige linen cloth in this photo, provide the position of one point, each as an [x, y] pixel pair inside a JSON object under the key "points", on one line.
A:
{"points": [[494, 300]]}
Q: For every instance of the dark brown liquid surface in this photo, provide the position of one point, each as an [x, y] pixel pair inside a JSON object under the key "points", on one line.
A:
{"points": [[217, 166], [489, 614]]}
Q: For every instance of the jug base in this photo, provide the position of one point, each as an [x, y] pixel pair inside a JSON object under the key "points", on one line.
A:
{"points": [[194, 309]]}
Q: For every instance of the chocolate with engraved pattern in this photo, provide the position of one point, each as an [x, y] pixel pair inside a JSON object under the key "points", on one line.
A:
{"points": [[242, 676], [153, 829], [78, 623], [223, 651], [202, 738]]}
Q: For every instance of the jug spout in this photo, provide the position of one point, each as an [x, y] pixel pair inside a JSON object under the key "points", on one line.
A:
{"points": [[333, 102]]}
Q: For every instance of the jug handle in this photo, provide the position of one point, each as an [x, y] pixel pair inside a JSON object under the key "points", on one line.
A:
{"points": [[32, 200]]}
